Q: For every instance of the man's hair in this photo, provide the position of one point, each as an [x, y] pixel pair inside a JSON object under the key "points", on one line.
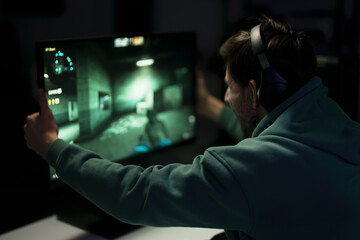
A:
{"points": [[289, 52]]}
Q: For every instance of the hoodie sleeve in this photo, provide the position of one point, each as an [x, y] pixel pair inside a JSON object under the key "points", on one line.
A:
{"points": [[201, 194], [228, 121]]}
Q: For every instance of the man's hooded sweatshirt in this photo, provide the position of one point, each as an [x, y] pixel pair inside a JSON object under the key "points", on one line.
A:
{"points": [[297, 177]]}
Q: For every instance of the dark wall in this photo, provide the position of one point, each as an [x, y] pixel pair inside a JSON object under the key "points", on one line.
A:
{"points": [[92, 79], [23, 175]]}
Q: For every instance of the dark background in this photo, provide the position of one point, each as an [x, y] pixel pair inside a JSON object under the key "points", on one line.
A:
{"points": [[333, 25]]}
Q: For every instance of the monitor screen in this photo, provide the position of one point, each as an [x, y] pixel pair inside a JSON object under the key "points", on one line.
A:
{"points": [[121, 96]]}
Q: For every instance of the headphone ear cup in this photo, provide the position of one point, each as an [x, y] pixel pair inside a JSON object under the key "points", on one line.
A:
{"points": [[272, 88]]}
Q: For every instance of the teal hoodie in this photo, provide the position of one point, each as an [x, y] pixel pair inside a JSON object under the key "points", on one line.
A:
{"points": [[297, 177]]}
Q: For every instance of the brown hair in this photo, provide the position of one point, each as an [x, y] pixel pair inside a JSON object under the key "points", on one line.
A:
{"points": [[289, 52]]}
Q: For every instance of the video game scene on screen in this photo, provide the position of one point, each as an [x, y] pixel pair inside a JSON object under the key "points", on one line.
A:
{"points": [[122, 97]]}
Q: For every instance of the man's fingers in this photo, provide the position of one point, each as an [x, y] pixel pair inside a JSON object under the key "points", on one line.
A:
{"points": [[44, 107]]}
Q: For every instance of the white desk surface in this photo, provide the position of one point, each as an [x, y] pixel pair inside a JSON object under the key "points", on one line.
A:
{"points": [[51, 228]]}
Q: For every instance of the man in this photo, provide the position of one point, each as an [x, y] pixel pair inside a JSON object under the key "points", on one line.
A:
{"points": [[295, 174]]}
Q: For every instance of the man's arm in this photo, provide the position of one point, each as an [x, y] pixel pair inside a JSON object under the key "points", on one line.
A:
{"points": [[213, 108], [201, 194], [228, 121], [207, 105]]}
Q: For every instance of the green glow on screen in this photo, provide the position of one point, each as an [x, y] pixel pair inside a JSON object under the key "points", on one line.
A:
{"points": [[140, 87], [143, 82]]}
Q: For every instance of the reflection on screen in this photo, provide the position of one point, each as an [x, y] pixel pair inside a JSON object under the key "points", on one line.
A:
{"points": [[121, 97]]}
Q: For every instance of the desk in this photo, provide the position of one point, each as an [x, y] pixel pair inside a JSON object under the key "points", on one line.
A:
{"points": [[51, 228]]}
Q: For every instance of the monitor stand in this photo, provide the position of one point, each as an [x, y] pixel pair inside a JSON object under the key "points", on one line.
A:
{"points": [[85, 215]]}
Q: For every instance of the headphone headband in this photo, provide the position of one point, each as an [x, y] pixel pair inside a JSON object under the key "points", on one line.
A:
{"points": [[258, 47]]}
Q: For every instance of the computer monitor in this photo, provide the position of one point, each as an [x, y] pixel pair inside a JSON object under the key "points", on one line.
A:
{"points": [[121, 96], [125, 97]]}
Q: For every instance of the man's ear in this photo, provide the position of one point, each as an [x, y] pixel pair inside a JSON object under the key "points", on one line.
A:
{"points": [[253, 89]]}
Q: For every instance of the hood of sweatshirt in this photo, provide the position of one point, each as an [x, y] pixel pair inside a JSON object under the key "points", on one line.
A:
{"points": [[312, 118]]}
